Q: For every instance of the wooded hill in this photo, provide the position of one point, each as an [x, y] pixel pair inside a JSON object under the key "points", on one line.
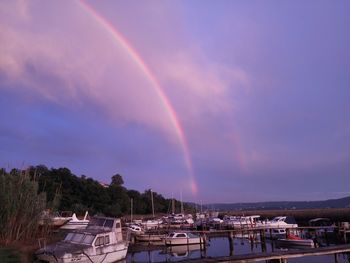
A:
{"points": [[68, 192], [282, 205]]}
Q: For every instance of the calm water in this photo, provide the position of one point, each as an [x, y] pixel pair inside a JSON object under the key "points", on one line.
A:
{"points": [[220, 246]]}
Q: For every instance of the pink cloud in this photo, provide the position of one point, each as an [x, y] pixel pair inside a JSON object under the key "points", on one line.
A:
{"points": [[82, 56]]}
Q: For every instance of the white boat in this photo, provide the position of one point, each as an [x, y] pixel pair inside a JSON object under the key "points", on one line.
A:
{"points": [[276, 228], [56, 219], [151, 238], [76, 223], [182, 238], [151, 224], [179, 219], [242, 221], [135, 229], [101, 242], [295, 242]]}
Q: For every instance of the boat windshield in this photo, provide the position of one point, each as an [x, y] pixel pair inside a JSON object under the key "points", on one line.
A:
{"points": [[79, 238]]}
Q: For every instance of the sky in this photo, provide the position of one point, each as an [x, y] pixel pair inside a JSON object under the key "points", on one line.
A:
{"points": [[215, 101]]}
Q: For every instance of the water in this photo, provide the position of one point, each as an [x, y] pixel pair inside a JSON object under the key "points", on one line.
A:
{"points": [[220, 246]]}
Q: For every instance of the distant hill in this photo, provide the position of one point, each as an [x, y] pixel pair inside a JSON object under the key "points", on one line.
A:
{"points": [[281, 205]]}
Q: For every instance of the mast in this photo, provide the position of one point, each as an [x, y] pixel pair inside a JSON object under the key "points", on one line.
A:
{"points": [[152, 203], [131, 208], [172, 204], [182, 205]]}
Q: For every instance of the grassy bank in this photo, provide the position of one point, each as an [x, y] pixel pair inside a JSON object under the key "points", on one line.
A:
{"points": [[9, 255]]}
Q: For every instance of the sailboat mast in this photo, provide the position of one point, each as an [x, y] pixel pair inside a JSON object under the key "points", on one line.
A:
{"points": [[152, 203], [182, 205], [172, 204], [131, 208]]}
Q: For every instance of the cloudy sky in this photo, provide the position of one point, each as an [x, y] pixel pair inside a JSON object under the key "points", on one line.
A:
{"points": [[224, 101]]}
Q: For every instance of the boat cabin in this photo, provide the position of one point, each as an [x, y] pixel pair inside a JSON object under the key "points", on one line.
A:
{"points": [[102, 239]]}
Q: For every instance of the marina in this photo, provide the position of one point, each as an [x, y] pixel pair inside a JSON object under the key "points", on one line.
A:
{"points": [[251, 245]]}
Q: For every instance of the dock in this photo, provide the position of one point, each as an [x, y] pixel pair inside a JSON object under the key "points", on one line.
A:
{"points": [[256, 235], [280, 256]]}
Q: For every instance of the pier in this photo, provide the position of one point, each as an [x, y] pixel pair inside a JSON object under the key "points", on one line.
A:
{"points": [[255, 235], [280, 256]]}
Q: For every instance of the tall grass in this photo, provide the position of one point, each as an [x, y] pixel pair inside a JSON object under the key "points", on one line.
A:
{"points": [[20, 207]]}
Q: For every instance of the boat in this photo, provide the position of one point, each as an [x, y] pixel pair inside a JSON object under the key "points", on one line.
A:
{"points": [[182, 238], [152, 238], [239, 222], [76, 223], [135, 229], [101, 241], [321, 225], [276, 228], [151, 224], [295, 242], [56, 219]]}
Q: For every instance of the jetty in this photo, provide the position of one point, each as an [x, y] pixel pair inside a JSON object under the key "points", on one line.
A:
{"points": [[280, 256], [257, 235]]}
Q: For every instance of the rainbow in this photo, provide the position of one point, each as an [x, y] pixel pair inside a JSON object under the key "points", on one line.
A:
{"points": [[121, 40]]}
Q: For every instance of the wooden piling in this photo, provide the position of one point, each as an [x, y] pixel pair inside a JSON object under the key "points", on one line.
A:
{"points": [[336, 258], [345, 239], [231, 242], [263, 240]]}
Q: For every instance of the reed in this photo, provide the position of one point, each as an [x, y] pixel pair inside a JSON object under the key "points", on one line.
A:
{"points": [[20, 207]]}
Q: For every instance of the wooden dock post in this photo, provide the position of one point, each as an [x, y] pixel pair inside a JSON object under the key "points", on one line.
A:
{"points": [[263, 240], [231, 242], [149, 256], [251, 238], [344, 236], [336, 259], [203, 241]]}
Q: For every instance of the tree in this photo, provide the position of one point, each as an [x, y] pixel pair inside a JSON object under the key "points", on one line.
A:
{"points": [[117, 180]]}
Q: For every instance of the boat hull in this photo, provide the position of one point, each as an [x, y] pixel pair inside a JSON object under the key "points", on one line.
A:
{"points": [[149, 238], [307, 243], [183, 241], [117, 254], [72, 226]]}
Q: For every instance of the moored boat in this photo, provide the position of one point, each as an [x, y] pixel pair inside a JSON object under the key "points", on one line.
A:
{"points": [[182, 238], [151, 224], [135, 229], [239, 222], [295, 241], [321, 225], [276, 228], [101, 241], [56, 219], [75, 223], [150, 238]]}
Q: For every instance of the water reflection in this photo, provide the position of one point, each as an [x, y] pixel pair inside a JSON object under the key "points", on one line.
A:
{"points": [[223, 246]]}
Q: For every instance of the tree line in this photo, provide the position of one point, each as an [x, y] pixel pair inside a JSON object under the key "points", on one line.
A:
{"points": [[64, 191]]}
